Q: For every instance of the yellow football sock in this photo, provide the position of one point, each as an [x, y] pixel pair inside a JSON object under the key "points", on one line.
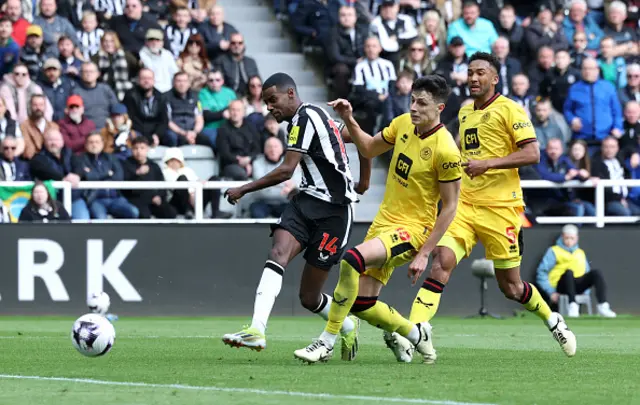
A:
{"points": [[346, 291], [533, 302], [427, 301], [383, 316]]}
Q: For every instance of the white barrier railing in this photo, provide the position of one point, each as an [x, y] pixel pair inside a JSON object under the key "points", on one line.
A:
{"points": [[198, 187]]}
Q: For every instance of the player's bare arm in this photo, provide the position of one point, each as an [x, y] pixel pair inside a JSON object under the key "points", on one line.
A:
{"points": [[528, 154], [368, 146], [365, 165], [278, 175], [449, 194]]}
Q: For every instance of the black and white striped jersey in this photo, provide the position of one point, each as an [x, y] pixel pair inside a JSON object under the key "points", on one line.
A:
{"points": [[325, 165]]}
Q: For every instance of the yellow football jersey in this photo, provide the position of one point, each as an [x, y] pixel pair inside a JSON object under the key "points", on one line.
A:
{"points": [[420, 162], [496, 130]]}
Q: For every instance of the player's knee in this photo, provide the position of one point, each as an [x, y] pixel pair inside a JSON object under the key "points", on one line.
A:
{"points": [[309, 300], [512, 290], [280, 255]]}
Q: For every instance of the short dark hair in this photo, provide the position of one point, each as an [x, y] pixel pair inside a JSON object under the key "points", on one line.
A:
{"points": [[140, 139], [5, 19], [487, 57], [282, 81], [435, 85], [470, 3]]}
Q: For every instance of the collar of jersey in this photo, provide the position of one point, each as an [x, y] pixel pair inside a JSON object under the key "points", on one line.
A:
{"points": [[429, 132], [486, 104]]}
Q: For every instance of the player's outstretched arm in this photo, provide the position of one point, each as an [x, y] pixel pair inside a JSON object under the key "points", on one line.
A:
{"points": [[528, 154], [449, 194], [278, 175], [368, 146]]}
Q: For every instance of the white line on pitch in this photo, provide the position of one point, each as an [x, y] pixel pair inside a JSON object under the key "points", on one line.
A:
{"points": [[277, 337], [240, 390]]}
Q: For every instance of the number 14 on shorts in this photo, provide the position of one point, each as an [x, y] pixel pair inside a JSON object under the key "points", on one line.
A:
{"points": [[328, 244]]}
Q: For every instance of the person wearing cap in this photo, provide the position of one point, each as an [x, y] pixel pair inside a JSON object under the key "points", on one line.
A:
{"points": [[395, 31], [161, 61], [34, 53], [543, 31], [132, 27], [564, 269], [56, 86], [75, 127], [118, 134], [53, 25], [477, 33], [9, 49], [454, 67]]}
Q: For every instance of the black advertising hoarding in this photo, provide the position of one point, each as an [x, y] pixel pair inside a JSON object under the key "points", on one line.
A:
{"points": [[213, 269]]}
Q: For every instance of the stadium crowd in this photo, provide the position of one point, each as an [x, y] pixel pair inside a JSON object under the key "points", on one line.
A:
{"points": [[89, 86]]}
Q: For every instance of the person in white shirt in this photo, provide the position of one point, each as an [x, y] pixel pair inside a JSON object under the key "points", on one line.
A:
{"points": [[395, 31], [161, 61]]}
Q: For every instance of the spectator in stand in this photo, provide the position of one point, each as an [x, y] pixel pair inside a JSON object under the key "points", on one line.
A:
{"points": [[159, 10], [272, 129], [73, 11], [90, 35], [613, 69], [175, 170], [564, 269], [592, 108], [454, 67], [147, 108], [195, 62], [34, 52], [541, 70], [626, 39], [395, 31], [179, 31], [34, 128], [139, 168], [312, 22], [115, 64], [56, 86], [75, 127], [236, 67], [9, 49], [609, 166], [132, 27], [17, 90], [477, 33], [13, 11], [98, 97], [579, 21], [543, 31], [238, 144], [216, 33], [547, 126], [579, 50], [374, 76], [399, 101], [53, 26], [509, 66], [632, 90], [184, 111], [520, 93], [253, 103], [433, 33], [42, 207], [12, 168], [555, 166], [578, 153], [66, 55], [509, 28], [345, 48], [557, 83], [417, 61], [153, 56], [270, 202], [54, 162], [631, 128], [9, 127], [97, 165], [117, 135]]}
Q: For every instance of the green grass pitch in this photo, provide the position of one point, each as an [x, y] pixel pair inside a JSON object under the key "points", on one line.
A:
{"points": [[183, 361]]}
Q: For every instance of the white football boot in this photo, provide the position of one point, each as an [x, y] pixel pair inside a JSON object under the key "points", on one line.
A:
{"points": [[400, 346], [425, 345], [315, 352], [563, 335]]}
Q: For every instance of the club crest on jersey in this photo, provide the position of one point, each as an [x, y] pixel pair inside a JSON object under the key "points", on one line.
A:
{"points": [[425, 153], [485, 117], [293, 135], [404, 138]]}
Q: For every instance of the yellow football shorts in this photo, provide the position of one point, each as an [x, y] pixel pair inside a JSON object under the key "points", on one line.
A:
{"points": [[497, 228], [401, 242]]}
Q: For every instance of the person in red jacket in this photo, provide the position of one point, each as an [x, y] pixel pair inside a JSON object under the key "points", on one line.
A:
{"points": [[74, 126]]}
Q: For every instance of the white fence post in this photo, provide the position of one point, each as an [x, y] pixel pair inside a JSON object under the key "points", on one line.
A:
{"points": [[66, 197], [199, 202]]}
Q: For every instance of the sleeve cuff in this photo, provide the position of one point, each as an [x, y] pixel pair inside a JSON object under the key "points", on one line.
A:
{"points": [[450, 181], [526, 141]]}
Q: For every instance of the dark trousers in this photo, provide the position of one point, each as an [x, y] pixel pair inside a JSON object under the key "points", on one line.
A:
{"points": [[341, 74], [570, 285], [162, 211]]}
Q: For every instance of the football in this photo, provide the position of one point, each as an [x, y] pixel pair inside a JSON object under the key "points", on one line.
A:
{"points": [[93, 335], [99, 303]]}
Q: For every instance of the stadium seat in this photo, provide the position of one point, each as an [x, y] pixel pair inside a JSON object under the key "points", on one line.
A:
{"points": [[582, 299], [201, 160], [483, 269], [156, 154]]}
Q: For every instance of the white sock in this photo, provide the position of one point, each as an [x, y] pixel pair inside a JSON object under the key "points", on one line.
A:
{"points": [[329, 339], [414, 335], [268, 289], [323, 311]]}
